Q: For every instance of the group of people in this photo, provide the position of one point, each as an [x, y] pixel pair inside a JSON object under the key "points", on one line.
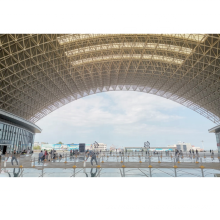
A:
{"points": [[47, 155], [52, 154], [74, 153], [178, 152], [14, 155], [44, 154], [212, 152]]}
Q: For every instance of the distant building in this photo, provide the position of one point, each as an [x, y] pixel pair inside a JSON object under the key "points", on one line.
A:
{"points": [[197, 148], [216, 130], [181, 146], [36, 144], [130, 149], [102, 147]]}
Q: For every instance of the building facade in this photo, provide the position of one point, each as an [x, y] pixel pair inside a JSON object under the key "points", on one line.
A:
{"points": [[16, 133], [216, 130], [183, 146], [102, 147]]}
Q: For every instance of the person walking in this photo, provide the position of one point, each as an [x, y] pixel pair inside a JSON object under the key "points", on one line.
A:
{"points": [[14, 157], [40, 156]]}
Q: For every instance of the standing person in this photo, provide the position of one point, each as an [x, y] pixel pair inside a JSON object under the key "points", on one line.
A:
{"points": [[49, 156], [14, 157], [52, 154], [45, 155], [40, 156], [196, 151], [71, 153]]}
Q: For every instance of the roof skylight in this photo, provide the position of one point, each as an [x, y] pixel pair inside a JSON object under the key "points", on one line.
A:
{"points": [[128, 56], [129, 45]]}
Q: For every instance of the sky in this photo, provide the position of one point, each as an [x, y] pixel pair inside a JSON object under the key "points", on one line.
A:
{"points": [[126, 119]]}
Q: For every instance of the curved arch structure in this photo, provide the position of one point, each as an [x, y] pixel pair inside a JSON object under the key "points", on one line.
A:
{"points": [[42, 72]]}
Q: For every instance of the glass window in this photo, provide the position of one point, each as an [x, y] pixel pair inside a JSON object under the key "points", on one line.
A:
{"points": [[1, 130], [218, 139]]}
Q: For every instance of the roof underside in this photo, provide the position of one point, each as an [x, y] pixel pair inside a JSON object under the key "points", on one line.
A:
{"points": [[42, 72]]}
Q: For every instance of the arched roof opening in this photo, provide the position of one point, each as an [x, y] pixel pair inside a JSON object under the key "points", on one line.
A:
{"points": [[42, 72]]}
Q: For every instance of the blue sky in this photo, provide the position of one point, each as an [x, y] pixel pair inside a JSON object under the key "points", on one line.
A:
{"points": [[126, 119]]}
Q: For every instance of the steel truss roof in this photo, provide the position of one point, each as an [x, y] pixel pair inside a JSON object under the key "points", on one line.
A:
{"points": [[42, 72]]}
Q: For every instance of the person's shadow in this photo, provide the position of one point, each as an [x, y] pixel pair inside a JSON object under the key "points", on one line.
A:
{"points": [[93, 174], [16, 174]]}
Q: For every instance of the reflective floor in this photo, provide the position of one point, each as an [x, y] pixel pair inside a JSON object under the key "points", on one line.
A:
{"points": [[137, 158], [107, 172]]}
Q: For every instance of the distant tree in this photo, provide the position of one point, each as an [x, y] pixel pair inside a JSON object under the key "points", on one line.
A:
{"points": [[59, 142], [36, 148]]}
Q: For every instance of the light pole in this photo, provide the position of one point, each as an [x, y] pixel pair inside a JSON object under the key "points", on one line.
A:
{"points": [[202, 145]]}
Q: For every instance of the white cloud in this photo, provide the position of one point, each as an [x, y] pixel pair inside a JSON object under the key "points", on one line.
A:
{"points": [[125, 112], [115, 109], [122, 117]]}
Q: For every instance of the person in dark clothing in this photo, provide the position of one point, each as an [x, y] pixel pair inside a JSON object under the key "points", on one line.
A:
{"points": [[93, 157], [14, 157]]}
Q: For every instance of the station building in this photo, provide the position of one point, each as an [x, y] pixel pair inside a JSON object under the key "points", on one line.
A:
{"points": [[40, 73], [216, 130], [16, 133]]}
